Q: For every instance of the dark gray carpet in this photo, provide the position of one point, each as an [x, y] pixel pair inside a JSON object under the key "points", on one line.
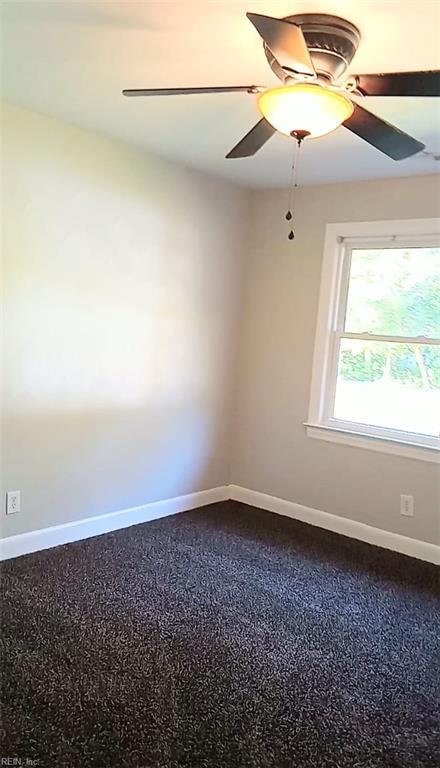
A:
{"points": [[222, 637]]}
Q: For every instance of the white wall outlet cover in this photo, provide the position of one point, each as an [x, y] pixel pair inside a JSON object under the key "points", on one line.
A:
{"points": [[406, 505], [13, 502]]}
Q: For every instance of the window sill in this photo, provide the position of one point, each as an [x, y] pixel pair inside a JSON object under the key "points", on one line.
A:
{"points": [[373, 443]]}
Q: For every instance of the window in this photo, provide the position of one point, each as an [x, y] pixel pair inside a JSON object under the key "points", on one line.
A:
{"points": [[376, 373]]}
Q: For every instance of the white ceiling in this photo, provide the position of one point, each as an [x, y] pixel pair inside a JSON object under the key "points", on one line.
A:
{"points": [[72, 59]]}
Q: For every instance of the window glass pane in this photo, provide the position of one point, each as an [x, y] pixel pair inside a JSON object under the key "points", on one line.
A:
{"points": [[395, 292], [389, 385]]}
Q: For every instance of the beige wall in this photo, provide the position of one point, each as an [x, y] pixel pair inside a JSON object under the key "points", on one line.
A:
{"points": [[121, 291], [272, 452], [123, 280]]}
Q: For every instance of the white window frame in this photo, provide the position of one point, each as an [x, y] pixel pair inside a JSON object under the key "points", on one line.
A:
{"points": [[340, 240]]}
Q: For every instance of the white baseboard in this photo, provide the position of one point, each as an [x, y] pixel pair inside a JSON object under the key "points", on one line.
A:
{"points": [[34, 541], [386, 539], [24, 543]]}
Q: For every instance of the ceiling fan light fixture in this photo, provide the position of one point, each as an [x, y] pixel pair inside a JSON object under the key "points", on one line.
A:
{"points": [[304, 107]]}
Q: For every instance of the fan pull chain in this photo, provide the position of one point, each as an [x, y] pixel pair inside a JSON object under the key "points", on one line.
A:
{"points": [[289, 214], [294, 180]]}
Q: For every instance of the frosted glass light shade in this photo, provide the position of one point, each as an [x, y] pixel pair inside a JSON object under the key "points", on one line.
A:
{"points": [[304, 107]]}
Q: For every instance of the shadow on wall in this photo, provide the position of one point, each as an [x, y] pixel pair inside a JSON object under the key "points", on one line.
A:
{"points": [[85, 463]]}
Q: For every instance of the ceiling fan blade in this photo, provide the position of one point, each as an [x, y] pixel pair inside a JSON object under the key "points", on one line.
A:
{"points": [[286, 41], [253, 141], [185, 91], [400, 84], [382, 135]]}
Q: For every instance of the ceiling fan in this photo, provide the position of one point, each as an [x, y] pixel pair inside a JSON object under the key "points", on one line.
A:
{"points": [[310, 54]]}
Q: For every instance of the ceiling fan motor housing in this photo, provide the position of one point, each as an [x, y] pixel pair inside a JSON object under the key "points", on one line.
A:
{"points": [[331, 41]]}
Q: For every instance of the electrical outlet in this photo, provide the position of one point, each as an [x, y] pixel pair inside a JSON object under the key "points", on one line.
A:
{"points": [[406, 505], [13, 502]]}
